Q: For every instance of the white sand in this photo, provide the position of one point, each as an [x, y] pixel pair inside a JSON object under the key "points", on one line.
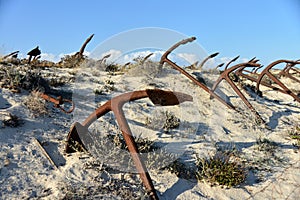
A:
{"points": [[25, 173]]}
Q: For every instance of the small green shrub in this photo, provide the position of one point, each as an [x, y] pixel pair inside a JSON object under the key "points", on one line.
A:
{"points": [[163, 120], [295, 135], [266, 145], [171, 121], [144, 145], [181, 169], [98, 91], [10, 79], [22, 77], [60, 81], [71, 61], [112, 68], [221, 169], [108, 86]]}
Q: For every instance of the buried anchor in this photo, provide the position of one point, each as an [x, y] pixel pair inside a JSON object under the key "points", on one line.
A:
{"points": [[78, 135], [58, 102], [165, 59]]}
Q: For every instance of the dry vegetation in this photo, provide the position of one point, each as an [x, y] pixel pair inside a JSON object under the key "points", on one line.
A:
{"points": [[294, 134], [9, 120], [226, 167], [36, 104]]}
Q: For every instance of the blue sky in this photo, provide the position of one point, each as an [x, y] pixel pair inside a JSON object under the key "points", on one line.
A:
{"points": [[268, 29]]}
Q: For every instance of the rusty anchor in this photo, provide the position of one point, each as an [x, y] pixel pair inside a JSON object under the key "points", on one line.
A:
{"points": [[241, 72], [225, 75], [165, 58], [58, 102], [79, 131], [266, 72], [231, 61], [286, 71], [207, 58]]}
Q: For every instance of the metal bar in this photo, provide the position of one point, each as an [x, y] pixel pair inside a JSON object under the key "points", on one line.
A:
{"points": [[58, 102], [231, 61], [164, 59], [266, 72], [286, 72], [239, 72], [163, 98], [225, 76], [207, 58]]}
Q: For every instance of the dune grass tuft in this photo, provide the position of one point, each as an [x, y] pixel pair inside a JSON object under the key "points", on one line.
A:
{"points": [[221, 169]]}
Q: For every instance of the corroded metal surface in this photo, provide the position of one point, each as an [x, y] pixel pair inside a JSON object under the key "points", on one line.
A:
{"points": [[287, 71], [164, 59], [283, 88], [58, 102], [158, 97], [226, 76]]}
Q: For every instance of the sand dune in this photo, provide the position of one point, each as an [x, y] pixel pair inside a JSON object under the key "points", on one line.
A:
{"points": [[205, 126]]}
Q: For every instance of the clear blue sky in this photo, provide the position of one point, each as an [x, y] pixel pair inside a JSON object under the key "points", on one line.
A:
{"points": [[268, 29]]}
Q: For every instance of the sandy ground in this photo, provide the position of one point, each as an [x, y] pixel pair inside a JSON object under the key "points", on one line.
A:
{"points": [[205, 126]]}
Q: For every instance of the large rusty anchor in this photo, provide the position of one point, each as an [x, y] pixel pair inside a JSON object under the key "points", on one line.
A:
{"points": [[282, 88], [258, 78], [78, 132], [287, 71], [225, 75], [165, 58]]}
